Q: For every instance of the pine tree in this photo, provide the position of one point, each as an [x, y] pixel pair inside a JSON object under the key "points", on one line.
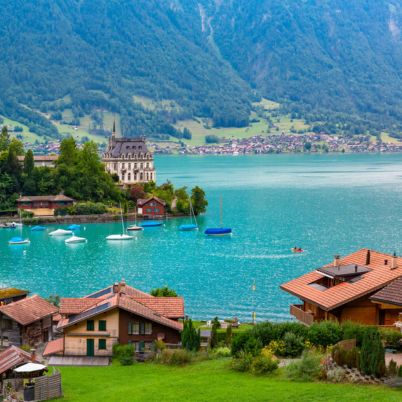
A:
{"points": [[190, 337], [213, 342], [372, 356], [4, 139], [229, 334], [29, 163]]}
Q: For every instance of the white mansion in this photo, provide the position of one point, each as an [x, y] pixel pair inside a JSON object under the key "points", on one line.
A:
{"points": [[130, 159]]}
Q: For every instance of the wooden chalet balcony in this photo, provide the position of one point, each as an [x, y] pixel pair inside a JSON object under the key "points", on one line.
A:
{"points": [[297, 311]]}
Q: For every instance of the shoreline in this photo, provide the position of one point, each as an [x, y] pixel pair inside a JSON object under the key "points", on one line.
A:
{"points": [[102, 218]]}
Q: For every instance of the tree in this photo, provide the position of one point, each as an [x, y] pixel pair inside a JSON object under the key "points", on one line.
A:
{"points": [[163, 292], [136, 192], [198, 200], [372, 355], [4, 139], [213, 342], [228, 336], [182, 200], [190, 336], [29, 163]]}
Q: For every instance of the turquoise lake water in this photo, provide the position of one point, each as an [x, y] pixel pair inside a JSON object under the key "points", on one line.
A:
{"points": [[326, 204]]}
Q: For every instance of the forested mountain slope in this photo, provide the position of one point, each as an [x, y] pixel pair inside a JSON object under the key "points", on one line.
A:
{"points": [[335, 62]]}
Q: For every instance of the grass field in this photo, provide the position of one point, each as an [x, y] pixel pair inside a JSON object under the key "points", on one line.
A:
{"points": [[390, 140], [26, 134], [211, 380]]}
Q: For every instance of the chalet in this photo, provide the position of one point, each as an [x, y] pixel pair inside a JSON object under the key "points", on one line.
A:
{"points": [[42, 160], [353, 288], [91, 325], [44, 205], [9, 295], [152, 207], [27, 321], [129, 159]]}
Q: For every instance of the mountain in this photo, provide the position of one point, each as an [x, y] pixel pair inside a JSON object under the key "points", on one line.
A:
{"points": [[334, 62]]}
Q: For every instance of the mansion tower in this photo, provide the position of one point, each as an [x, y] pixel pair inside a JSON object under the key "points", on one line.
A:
{"points": [[130, 159]]}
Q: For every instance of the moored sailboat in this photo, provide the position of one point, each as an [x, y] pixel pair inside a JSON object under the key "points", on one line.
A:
{"points": [[186, 227], [122, 235], [220, 231]]}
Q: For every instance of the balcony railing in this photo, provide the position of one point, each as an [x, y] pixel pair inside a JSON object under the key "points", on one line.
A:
{"points": [[297, 311]]}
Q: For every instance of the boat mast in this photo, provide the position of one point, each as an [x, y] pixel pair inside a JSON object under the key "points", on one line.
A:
{"points": [[192, 214], [122, 222], [220, 205]]}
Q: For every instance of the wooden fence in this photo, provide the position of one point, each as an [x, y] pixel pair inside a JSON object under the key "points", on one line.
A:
{"points": [[48, 387]]}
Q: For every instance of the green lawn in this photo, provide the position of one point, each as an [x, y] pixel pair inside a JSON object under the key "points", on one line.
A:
{"points": [[206, 381], [26, 134]]}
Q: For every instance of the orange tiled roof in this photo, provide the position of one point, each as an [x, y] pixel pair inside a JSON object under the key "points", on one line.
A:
{"points": [[13, 357], [76, 305], [125, 302], [391, 294], [54, 347], [28, 310], [171, 307], [379, 276]]}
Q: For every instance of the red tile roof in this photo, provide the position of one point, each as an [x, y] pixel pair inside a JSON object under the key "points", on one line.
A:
{"points": [[13, 357], [379, 276], [28, 310], [29, 198], [54, 347], [76, 305], [391, 294], [171, 307], [143, 201]]}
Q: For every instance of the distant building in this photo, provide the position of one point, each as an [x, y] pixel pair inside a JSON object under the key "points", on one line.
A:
{"points": [[152, 207], [27, 321], [91, 325], [129, 159], [42, 160], [364, 287], [43, 205]]}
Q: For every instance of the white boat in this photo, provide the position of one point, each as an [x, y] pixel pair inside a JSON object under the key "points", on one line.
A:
{"points": [[75, 239], [18, 240], [121, 236], [135, 227], [61, 232]]}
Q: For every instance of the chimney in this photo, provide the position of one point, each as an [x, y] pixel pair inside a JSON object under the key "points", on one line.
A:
{"points": [[356, 268], [116, 288], [122, 286], [385, 262], [33, 355], [368, 257], [336, 261], [394, 263]]}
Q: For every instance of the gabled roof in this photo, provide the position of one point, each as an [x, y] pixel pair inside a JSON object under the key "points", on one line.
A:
{"points": [[124, 146], [28, 310], [13, 357], [7, 293], [40, 158], [380, 275], [31, 198], [391, 294], [143, 201], [124, 302]]}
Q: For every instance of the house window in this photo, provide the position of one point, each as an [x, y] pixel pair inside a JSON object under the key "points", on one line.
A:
{"points": [[102, 344], [90, 325], [102, 325], [156, 209], [129, 177], [139, 328], [129, 166]]}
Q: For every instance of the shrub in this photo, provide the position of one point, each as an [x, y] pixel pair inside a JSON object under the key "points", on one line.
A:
{"points": [[308, 368], [342, 357], [27, 214], [392, 369], [221, 352], [336, 375], [294, 344], [400, 371], [372, 356], [264, 364], [175, 357], [325, 333], [275, 347], [159, 345], [163, 292], [190, 337], [391, 337], [239, 341], [124, 353], [242, 362], [353, 330], [213, 342]]}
